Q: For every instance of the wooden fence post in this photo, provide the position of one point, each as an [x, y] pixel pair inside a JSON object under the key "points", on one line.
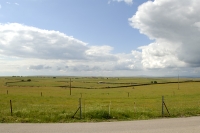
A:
{"points": [[11, 108], [109, 108], [84, 109], [80, 108], [70, 85]]}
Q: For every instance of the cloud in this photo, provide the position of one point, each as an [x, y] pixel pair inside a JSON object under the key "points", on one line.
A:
{"points": [[39, 67], [174, 26], [100, 53], [0, 6], [17, 4], [160, 56], [129, 2], [26, 49], [30, 42], [129, 61]]}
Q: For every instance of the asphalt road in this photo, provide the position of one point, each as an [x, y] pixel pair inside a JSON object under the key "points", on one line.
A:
{"points": [[175, 125]]}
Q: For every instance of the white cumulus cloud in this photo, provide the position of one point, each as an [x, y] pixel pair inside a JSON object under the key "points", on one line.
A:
{"points": [[174, 26], [33, 51], [30, 42]]}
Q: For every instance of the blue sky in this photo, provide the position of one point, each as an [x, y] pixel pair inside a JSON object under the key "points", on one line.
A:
{"points": [[99, 37], [96, 22]]}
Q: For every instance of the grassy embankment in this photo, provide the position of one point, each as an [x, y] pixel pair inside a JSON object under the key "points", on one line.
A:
{"points": [[128, 98]]}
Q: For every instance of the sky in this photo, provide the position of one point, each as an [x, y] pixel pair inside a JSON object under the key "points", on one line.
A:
{"points": [[100, 38]]}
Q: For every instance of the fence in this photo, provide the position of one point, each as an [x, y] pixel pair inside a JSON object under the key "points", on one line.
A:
{"points": [[101, 106]]}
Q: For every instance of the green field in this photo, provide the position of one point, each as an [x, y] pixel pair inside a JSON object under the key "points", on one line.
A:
{"points": [[48, 99]]}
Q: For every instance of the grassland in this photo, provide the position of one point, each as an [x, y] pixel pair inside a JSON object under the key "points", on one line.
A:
{"points": [[48, 99]]}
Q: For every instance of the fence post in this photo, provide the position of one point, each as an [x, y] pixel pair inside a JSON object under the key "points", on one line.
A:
{"points": [[109, 108], [11, 108], [134, 107], [70, 85], [84, 109], [41, 94], [7, 92], [80, 108], [162, 106]]}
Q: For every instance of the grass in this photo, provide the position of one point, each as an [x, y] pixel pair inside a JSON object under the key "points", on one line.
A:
{"points": [[131, 102]]}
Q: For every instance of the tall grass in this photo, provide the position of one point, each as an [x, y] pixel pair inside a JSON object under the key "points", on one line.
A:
{"points": [[56, 105]]}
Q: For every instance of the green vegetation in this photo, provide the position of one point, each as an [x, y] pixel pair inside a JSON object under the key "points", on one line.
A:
{"points": [[48, 99]]}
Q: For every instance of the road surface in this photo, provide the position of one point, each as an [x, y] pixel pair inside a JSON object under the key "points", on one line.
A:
{"points": [[172, 125]]}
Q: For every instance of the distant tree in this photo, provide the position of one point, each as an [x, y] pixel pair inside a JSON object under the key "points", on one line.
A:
{"points": [[155, 82], [29, 80]]}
